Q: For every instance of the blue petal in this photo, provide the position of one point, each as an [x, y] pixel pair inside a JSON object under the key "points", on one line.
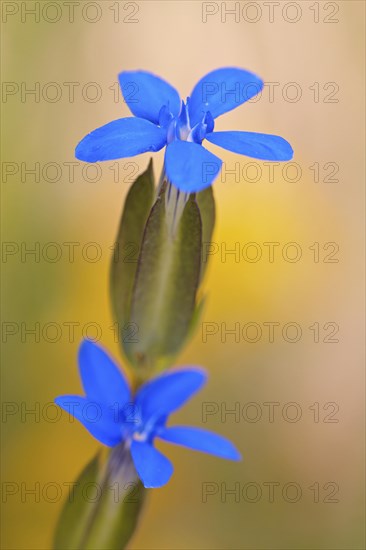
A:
{"points": [[153, 468], [146, 93], [100, 422], [121, 138], [221, 91], [168, 392], [251, 144], [102, 380], [190, 167], [200, 440]]}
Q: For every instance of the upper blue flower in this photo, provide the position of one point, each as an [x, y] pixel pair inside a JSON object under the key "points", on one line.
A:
{"points": [[161, 118], [111, 415]]}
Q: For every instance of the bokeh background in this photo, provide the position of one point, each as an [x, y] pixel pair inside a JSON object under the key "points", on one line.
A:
{"points": [[318, 47]]}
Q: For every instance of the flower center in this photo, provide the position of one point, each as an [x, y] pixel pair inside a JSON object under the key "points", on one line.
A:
{"points": [[140, 436], [146, 431], [180, 127]]}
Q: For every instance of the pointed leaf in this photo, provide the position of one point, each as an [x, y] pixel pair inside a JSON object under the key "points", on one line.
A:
{"points": [[167, 278], [196, 317], [119, 507], [206, 204], [76, 511], [124, 263], [105, 506]]}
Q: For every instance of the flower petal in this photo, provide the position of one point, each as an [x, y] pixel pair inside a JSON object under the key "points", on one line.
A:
{"points": [[100, 422], [252, 144], [200, 440], [121, 138], [190, 167], [168, 392], [221, 91], [146, 93], [102, 380], [153, 468]]}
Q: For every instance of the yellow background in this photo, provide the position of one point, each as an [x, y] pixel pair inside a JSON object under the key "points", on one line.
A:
{"points": [[170, 39]]}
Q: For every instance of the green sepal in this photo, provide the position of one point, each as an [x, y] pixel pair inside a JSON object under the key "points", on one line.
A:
{"points": [[76, 511], [105, 506], [196, 317], [206, 204], [136, 210], [164, 294]]}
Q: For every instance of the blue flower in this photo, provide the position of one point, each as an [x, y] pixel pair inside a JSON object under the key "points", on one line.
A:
{"points": [[162, 119], [112, 416]]}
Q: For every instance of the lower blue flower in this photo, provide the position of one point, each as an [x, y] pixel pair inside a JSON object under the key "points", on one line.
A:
{"points": [[112, 415]]}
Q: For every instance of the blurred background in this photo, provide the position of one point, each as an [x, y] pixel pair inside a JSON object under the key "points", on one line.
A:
{"points": [[292, 366]]}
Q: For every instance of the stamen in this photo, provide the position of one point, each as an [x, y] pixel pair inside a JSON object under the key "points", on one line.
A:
{"points": [[209, 121], [165, 116]]}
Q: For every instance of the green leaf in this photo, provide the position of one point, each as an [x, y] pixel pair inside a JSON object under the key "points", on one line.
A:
{"points": [[206, 204], [196, 317], [115, 517], [76, 511], [167, 278], [105, 506], [138, 204]]}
